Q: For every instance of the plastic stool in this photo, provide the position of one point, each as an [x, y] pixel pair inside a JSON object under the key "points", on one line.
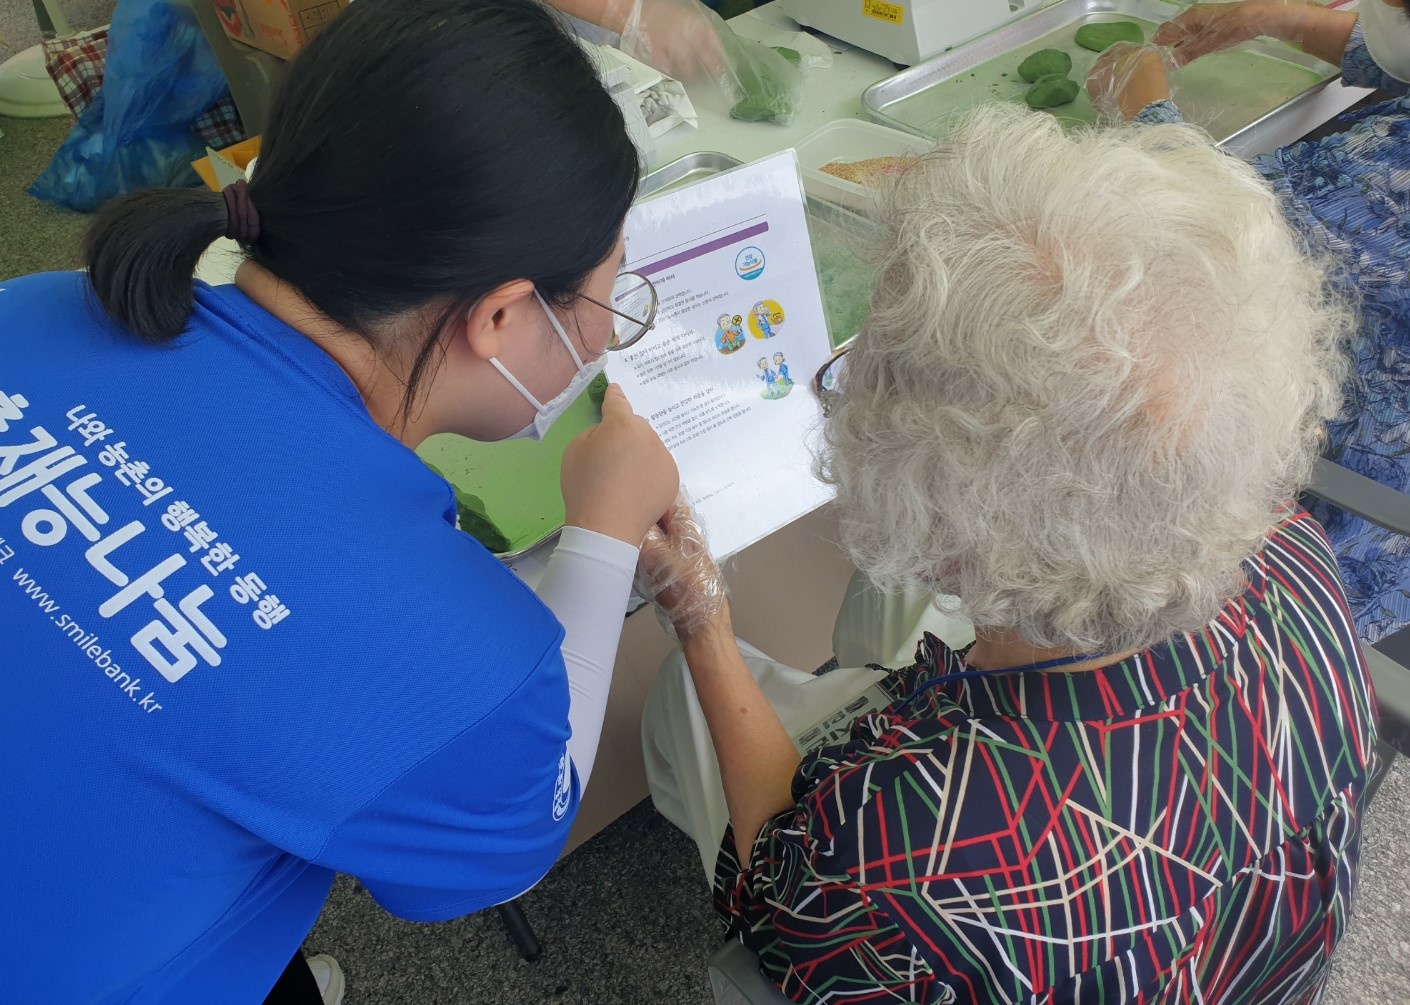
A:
{"points": [[735, 978], [26, 89]]}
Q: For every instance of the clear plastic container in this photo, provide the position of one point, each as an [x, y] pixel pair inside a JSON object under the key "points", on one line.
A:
{"points": [[850, 140]]}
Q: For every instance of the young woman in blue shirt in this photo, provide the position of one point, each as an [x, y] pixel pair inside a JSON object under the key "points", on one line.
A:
{"points": [[247, 646]]}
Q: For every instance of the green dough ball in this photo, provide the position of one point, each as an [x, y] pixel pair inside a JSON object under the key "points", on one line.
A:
{"points": [[1099, 37], [792, 55], [597, 390], [768, 82], [1051, 91], [762, 110], [1045, 62]]}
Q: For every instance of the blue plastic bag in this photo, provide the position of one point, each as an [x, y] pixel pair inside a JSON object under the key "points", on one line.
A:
{"points": [[159, 76]]}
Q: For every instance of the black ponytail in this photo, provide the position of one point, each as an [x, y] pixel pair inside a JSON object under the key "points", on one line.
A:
{"points": [[420, 154], [141, 251]]}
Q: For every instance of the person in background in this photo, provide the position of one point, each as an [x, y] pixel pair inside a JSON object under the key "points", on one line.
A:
{"points": [[1344, 193], [1094, 378], [246, 647]]}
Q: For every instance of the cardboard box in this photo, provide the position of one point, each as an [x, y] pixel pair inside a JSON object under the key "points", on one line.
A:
{"points": [[279, 27], [219, 168]]}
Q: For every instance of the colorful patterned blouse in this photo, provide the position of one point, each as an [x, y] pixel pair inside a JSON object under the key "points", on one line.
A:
{"points": [[1182, 826]]}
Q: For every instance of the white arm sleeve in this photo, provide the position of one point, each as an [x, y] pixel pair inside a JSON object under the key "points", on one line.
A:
{"points": [[587, 586]]}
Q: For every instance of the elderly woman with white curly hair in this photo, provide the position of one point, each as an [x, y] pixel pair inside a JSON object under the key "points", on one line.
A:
{"points": [[1092, 383]]}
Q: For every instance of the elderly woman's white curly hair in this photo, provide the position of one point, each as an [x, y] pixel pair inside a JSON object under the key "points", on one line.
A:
{"points": [[1096, 367]]}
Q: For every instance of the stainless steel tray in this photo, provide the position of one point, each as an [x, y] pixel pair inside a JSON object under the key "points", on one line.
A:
{"points": [[686, 171], [677, 174], [1228, 93]]}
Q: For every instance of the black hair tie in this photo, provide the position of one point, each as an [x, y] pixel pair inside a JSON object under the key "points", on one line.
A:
{"points": [[241, 217]]}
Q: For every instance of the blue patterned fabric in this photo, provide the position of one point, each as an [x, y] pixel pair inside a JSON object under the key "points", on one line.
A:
{"points": [[1350, 194]]}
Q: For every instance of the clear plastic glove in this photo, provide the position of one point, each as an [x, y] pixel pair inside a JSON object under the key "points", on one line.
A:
{"points": [[677, 573], [687, 40], [1209, 27], [675, 36], [1128, 77]]}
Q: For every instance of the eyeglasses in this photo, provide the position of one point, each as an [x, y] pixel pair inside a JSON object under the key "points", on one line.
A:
{"points": [[634, 305], [827, 382]]}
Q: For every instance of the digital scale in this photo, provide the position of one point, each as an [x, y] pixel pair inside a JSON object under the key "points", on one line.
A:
{"points": [[906, 32]]}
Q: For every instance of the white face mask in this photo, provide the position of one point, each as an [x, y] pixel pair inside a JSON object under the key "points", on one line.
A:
{"points": [[549, 413], [1388, 37]]}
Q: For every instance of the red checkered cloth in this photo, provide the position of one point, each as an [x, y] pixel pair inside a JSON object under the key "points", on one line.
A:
{"points": [[76, 66], [220, 126]]}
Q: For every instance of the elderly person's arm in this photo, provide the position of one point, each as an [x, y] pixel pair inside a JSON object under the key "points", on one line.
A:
{"points": [[776, 856], [1133, 81], [756, 755], [1209, 27]]}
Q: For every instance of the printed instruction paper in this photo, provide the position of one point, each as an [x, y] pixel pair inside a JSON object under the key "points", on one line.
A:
{"points": [[725, 377]]}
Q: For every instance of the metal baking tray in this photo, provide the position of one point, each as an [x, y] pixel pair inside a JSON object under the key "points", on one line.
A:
{"points": [[686, 171], [518, 480], [1228, 93]]}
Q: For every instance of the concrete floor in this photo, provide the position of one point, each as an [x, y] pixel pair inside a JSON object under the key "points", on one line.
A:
{"points": [[617, 933], [626, 918], [19, 28]]}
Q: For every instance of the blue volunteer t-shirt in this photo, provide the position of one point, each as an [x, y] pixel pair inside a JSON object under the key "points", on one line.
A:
{"points": [[244, 648]]}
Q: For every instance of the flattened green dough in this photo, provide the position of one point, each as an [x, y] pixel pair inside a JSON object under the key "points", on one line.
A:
{"points": [[1044, 62], [1051, 91], [1099, 37]]}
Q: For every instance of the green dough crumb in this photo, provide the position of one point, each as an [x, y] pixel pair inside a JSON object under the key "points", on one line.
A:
{"points": [[1051, 91], [1099, 37], [597, 390], [792, 55], [473, 520], [1045, 62]]}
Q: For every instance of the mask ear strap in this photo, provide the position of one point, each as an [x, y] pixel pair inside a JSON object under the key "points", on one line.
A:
{"points": [[553, 320], [517, 386]]}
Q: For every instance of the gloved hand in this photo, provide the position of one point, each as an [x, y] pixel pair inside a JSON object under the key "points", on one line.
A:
{"points": [[676, 572], [678, 37], [1209, 27], [1128, 77], [687, 40]]}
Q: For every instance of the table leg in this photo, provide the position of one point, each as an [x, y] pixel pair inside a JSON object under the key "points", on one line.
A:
{"points": [[520, 930]]}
